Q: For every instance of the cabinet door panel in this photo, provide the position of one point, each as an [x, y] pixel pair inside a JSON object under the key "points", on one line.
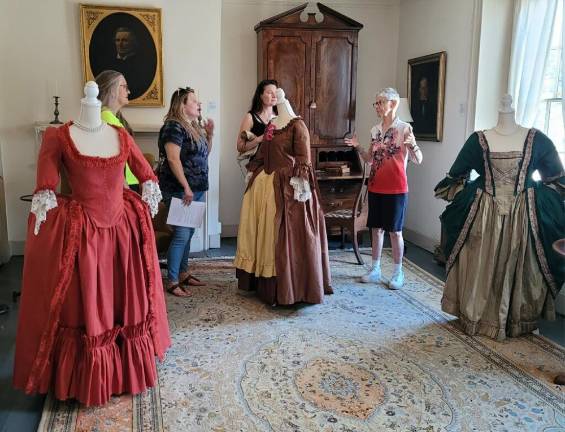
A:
{"points": [[286, 58], [334, 91]]}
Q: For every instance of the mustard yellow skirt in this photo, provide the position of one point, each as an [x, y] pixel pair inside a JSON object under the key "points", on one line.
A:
{"points": [[256, 236]]}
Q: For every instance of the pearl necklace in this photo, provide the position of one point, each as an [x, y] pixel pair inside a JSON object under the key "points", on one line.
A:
{"points": [[89, 129]]}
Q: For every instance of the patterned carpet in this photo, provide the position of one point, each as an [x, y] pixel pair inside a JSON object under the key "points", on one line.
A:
{"points": [[366, 360]]}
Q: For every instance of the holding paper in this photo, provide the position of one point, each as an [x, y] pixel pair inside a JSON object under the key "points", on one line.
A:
{"points": [[187, 216]]}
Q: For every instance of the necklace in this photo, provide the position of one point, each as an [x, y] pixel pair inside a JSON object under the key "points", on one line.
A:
{"points": [[89, 129]]}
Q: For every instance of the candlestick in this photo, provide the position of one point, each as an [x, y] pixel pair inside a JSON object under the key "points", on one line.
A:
{"points": [[56, 112]]}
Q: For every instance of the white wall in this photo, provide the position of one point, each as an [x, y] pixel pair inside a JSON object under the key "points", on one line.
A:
{"points": [[427, 27], [376, 68], [40, 43], [494, 59]]}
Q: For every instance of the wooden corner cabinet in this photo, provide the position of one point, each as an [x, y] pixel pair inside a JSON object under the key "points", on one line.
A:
{"points": [[315, 63]]}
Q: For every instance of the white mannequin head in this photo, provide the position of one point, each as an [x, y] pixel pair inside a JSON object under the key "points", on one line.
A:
{"points": [[283, 105], [505, 105], [281, 97], [91, 93]]}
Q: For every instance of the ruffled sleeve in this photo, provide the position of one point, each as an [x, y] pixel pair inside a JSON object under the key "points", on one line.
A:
{"points": [[303, 164], [469, 158], [48, 177]]}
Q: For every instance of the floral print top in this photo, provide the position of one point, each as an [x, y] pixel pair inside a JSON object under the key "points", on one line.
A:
{"points": [[390, 152]]}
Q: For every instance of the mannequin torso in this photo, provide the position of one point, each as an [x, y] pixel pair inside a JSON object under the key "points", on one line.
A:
{"points": [[505, 143], [90, 135], [285, 111], [507, 135]]}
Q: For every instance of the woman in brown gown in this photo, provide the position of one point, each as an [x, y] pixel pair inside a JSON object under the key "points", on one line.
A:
{"points": [[282, 247]]}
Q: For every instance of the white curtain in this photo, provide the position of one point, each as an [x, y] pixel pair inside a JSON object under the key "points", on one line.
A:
{"points": [[563, 64], [531, 37]]}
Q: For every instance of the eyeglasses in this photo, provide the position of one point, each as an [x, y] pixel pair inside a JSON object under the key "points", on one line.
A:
{"points": [[379, 103], [125, 86]]}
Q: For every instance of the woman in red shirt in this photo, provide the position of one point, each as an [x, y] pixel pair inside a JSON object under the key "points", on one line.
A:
{"points": [[392, 143]]}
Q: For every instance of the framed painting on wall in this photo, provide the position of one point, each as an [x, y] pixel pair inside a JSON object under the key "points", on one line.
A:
{"points": [[127, 40], [426, 94]]}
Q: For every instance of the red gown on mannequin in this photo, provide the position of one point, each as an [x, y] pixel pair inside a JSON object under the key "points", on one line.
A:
{"points": [[92, 316]]}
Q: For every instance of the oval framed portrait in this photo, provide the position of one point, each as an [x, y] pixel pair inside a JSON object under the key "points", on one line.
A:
{"points": [[127, 40]]}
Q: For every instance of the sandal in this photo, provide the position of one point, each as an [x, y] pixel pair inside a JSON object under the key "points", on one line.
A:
{"points": [[178, 291], [191, 280]]}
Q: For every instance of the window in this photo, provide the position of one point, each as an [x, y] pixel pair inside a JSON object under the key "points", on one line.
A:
{"points": [[549, 118]]}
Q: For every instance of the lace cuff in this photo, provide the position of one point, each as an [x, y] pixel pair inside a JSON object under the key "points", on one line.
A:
{"points": [[301, 188], [151, 194], [41, 203]]}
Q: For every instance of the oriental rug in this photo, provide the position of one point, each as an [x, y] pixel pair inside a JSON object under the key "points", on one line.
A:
{"points": [[368, 359]]}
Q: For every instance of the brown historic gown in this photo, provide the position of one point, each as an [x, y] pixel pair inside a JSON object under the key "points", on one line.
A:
{"points": [[282, 249]]}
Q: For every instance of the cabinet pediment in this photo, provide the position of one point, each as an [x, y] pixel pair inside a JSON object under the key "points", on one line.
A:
{"points": [[293, 19]]}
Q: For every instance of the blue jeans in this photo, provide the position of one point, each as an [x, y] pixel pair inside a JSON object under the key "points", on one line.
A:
{"points": [[179, 249]]}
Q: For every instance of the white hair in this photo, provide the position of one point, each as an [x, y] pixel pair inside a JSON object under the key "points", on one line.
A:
{"points": [[389, 93]]}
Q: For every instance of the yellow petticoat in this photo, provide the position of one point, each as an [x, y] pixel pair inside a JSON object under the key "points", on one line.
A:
{"points": [[256, 235]]}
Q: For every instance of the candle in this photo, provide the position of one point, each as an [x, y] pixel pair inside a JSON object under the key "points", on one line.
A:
{"points": [[56, 88]]}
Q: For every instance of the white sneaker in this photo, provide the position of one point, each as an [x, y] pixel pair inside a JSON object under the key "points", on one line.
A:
{"points": [[396, 281], [374, 276]]}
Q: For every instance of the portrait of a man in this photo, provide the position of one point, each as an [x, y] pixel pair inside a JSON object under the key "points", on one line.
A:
{"points": [[426, 78], [424, 107], [128, 42]]}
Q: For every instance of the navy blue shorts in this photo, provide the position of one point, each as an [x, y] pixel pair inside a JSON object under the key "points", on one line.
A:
{"points": [[387, 211]]}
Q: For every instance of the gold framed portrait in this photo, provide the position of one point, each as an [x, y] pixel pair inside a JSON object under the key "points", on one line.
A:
{"points": [[426, 94], [128, 40]]}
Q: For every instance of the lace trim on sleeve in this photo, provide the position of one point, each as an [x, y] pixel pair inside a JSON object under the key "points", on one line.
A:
{"points": [[301, 188], [151, 194], [41, 203]]}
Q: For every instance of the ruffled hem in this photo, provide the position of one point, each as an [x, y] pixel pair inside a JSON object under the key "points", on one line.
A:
{"points": [[91, 369], [448, 188], [39, 378]]}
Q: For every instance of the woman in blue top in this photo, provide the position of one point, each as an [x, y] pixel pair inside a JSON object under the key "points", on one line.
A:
{"points": [[183, 153]]}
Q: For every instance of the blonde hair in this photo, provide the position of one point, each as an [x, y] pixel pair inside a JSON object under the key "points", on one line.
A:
{"points": [[175, 113], [108, 83]]}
